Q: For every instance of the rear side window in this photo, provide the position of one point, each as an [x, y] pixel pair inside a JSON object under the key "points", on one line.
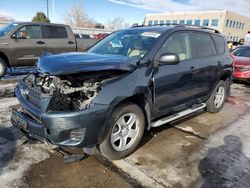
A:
{"points": [[202, 45], [56, 32], [219, 44]]}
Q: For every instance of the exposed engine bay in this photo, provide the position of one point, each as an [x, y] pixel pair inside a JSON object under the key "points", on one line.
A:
{"points": [[69, 92]]}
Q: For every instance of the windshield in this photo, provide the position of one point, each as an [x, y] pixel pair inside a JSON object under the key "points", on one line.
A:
{"points": [[7, 28], [242, 52], [130, 43]]}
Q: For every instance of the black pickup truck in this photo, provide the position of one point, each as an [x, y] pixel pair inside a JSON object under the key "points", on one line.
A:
{"points": [[21, 44]]}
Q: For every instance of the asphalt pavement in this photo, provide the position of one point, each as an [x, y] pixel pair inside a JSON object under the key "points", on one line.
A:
{"points": [[204, 150]]}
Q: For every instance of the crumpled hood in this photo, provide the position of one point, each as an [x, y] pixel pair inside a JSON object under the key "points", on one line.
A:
{"points": [[77, 62]]}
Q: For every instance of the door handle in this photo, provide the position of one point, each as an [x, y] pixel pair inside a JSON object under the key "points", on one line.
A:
{"points": [[70, 42], [219, 63], [40, 42]]}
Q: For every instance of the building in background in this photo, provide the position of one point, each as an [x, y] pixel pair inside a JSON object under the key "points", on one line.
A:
{"points": [[232, 25]]}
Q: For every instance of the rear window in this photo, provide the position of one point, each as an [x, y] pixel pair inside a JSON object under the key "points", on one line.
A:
{"points": [[56, 32], [242, 52], [219, 44], [202, 45]]}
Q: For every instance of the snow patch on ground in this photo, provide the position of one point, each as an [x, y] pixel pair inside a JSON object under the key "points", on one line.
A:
{"points": [[16, 157]]}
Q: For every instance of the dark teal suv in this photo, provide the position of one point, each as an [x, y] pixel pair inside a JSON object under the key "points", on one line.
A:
{"points": [[131, 81]]}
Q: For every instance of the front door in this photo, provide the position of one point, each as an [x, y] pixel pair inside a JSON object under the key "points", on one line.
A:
{"points": [[27, 46], [174, 83]]}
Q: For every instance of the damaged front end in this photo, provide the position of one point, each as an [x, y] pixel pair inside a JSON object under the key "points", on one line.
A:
{"points": [[61, 109], [69, 92], [65, 102]]}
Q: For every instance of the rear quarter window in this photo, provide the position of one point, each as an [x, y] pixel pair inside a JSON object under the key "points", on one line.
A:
{"points": [[56, 32], [202, 45], [219, 44]]}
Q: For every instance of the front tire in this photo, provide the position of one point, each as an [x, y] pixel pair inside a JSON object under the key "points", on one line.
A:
{"points": [[3, 67], [217, 100], [127, 124]]}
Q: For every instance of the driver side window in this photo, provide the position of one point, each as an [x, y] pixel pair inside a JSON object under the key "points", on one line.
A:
{"points": [[179, 44], [29, 32]]}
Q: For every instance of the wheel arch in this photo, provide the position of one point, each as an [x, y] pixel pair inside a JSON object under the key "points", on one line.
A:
{"points": [[5, 58], [144, 102]]}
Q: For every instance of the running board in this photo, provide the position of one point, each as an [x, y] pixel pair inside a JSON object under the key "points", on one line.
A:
{"points": [[173, 117]]}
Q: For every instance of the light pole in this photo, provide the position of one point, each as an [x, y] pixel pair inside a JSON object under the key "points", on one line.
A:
{"points": [[48, 9], [53, 10]]}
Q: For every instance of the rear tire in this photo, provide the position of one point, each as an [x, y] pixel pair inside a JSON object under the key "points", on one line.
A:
{"points": [[126, 124], [217, 100], [3, 67]]}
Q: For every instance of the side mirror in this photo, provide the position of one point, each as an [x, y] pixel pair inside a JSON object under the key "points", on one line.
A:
{"points": [[169, 59], [14, 36]]}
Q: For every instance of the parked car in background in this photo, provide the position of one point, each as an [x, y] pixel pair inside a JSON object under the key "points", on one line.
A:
{"points": [[21, 44], [241, 56], [83, 36], [101, 35], [133, 80]]}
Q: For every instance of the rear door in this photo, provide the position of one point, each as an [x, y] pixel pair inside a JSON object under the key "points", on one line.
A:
{"points": [[58, 40], [28, 45], [207, 64], [174, 83]]}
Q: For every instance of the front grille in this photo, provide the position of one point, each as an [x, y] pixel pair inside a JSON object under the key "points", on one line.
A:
{"points": [[34, 98]]}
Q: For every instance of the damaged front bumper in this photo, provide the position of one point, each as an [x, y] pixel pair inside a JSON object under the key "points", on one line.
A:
{"points": [[83, 128]]}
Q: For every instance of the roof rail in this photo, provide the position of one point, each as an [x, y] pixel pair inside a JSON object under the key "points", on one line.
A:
{"points": [[179, 25]]}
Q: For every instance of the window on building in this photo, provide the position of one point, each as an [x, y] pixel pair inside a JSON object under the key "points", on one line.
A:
{"points": [[150, 22], [215, 22], [197, 22], [162, 22], [203, 45], [182, 22], [234, 22], [189, 22], [231, 23], [174, 22], [243, 26], [156, 22], [219, 43], [237, 25], [205, 22], [227, 23], [168, 21]]}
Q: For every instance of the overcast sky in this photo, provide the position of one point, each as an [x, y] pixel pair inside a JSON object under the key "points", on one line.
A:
{"points": [[131, 10]]}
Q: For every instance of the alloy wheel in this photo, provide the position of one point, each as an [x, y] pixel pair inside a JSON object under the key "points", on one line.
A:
{"points": [[125, 132]]}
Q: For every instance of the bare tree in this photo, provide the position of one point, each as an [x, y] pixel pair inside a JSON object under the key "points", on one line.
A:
{"points": [[116, 23], [5, 18], [76, 17]]}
